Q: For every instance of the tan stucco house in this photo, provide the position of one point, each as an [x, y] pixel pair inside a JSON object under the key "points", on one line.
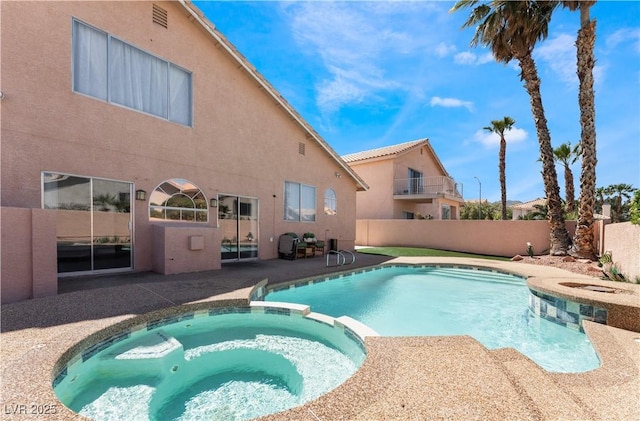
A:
{"points": [[406, 181], [135, 137], [521, 210]]}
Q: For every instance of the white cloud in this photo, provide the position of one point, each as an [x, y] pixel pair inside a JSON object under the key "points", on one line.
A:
{"points": [[560, 54], [489, 139], [436, 101], [335, 92], [365, 48], [472, 59], [352, 43], [443, 49], [623, 35]]}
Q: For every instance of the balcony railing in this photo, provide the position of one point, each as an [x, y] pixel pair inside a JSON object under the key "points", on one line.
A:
{"points": [[427, 186]]}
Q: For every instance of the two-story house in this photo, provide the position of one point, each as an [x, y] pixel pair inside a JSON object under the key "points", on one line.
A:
{"points": [[406, 181], [135, 137]]}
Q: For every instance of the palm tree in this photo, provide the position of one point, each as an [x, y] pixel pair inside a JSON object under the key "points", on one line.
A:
{"points": [[600, 194], [567, 156], [499, 127], [583, 237], [511, 29], [540, 212], [615, 193]]}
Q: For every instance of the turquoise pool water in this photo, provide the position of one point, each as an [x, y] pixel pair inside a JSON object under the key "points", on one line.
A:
{"points": [[429, 301], [233, 366]]}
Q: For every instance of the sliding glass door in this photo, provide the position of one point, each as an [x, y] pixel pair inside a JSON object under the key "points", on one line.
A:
{"points": [[93, 226], [238, 221]]}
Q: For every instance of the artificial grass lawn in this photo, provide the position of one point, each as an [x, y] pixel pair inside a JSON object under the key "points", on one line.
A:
{"points": [[413, 251]]}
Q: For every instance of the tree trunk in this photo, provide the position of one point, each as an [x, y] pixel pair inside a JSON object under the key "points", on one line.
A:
{"points": [[569, 191], [559, 237], [583, 238], [503, 180]]}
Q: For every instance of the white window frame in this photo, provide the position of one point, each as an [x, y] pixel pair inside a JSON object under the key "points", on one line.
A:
{"points": [[161, 211], [174, 76], [294, 202], [330, 202]]}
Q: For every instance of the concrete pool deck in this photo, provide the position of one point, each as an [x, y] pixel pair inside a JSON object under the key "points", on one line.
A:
{"points": [[401, 379]]}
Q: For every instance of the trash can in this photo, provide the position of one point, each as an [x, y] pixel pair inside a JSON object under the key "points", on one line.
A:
{"points": [[333, 244]]}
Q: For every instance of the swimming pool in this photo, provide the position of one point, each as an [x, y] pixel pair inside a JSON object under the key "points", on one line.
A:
{"points": [[231, 363], [492, 307]]}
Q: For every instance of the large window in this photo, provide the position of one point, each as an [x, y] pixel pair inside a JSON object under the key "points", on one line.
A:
{"points": [[415, 182], [178, 200], [299, 202], [93, 222], [330, 202], [446, 212], [107, 68]]}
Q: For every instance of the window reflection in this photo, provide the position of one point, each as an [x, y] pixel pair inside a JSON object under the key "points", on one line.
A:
{"points": [[92, 221], [178, 200]]}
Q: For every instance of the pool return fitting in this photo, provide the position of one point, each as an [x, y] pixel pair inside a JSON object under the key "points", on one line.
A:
{"points": [[341, 257]]}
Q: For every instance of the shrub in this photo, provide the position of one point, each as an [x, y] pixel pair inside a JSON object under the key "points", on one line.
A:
{"points": [[634, 208]]}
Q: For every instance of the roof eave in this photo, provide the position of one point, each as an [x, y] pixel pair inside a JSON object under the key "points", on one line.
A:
{"points": [[270, 90]]}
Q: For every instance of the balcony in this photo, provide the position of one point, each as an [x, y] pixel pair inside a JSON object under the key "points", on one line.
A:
{"points": [[425, 189]]}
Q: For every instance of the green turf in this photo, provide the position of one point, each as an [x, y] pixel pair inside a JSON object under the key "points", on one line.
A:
{"points": [[412, 251]]}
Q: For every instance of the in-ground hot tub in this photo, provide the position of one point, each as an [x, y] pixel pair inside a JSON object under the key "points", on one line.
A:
{"points": [[229, 363]]}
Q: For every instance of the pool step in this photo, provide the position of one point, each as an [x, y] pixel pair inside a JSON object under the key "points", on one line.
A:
{"points": [[150, 354], [551, 399], [153, 346], [476, 275]]}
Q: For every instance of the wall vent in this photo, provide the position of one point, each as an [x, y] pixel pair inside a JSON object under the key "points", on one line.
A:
{"points": [[301, 148], [160, 16]]}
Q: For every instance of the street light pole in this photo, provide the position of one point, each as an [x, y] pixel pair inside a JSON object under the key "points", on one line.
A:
{"points": [[479, 199]]}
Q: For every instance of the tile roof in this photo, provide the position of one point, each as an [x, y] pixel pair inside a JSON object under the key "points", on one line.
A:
{"points": [[530, 204], [384, 151]]}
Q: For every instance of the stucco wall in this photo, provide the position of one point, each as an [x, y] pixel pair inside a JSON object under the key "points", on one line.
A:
{"points": [[28, 254], [498, 238], [242, 142], [380, 174], [179, 249], [623, 241]]}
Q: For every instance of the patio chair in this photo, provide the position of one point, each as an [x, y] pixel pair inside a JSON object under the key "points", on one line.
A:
{"points": [[288, 247], [318, 245], [301, 246]]}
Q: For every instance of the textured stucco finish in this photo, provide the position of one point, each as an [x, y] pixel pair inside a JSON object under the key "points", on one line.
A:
{"points": [[380, 173], [243, 141], [28, 253], [624, 244], [497, 238]]}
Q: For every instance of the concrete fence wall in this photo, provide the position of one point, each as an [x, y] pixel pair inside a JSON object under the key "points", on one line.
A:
{"points": [[623, 241], [497, 238], [28, 265]]}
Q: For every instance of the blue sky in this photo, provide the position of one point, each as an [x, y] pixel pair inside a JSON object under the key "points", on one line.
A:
{"points": [[372, 74]]}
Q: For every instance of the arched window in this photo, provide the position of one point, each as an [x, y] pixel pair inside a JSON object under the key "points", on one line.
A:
{"points": [[330, 202], [178, 200]]}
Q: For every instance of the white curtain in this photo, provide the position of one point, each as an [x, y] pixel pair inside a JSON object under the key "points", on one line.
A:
{"points": [[330, 202], [291, 201], [307, 203], [89, 61], [138, 80], [179, 95], [107, 68]]}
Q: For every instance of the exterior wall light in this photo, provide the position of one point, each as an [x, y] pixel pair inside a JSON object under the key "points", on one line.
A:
{"points": [[141, 195], [337, 174], [213, 203]]}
